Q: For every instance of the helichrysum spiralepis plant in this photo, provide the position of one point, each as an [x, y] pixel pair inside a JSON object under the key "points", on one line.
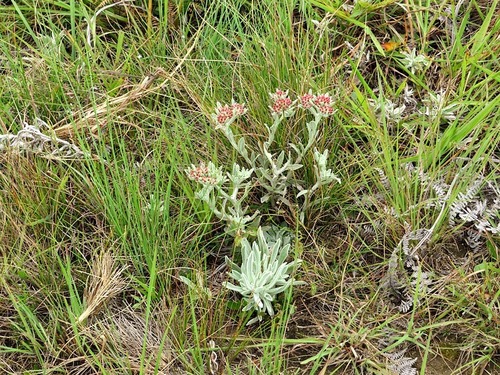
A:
{"points": [[264, 272], [273, 170]]}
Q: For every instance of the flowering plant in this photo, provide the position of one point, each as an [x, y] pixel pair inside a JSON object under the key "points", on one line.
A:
{"points": [[264, 272], [275, 172]]}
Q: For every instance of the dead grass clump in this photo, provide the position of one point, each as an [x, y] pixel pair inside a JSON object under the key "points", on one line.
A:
{"points": [[104, 283]]}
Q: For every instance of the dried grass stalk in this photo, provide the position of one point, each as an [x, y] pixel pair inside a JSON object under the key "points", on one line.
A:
{"points": [[104, 283]]}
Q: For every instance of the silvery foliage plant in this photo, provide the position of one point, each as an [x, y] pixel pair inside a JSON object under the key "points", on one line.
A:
{"points": [[407, 292], [436, 107], [475, 211], [264, 272], [414, 62], [273, 172]]}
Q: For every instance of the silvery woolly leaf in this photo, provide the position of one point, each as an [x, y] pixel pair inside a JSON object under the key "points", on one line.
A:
{"points": [[257, 262], [279, 289], [204, 193], [268, 155], [302, 216], [239, 174], [275, 251], [258, 318], [269, 307], [327, 176], [265, 198], [241, 146], [261, 239], [249, 306], [258, 301], [312, 128], [231, 286], [301, 193], [294, 167], [231, 264], [245, 250], [281, 158], [296, 148], [278, 276], [283, 253], [321, 158]]}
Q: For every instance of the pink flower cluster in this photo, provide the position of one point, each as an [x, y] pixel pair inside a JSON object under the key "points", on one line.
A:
{"points": [[224, 114], [281, 103], [306, 100], [201, 174], [322, 103]]}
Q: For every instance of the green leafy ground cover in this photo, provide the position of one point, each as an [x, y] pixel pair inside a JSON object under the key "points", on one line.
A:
{"points": [[113, 262]]}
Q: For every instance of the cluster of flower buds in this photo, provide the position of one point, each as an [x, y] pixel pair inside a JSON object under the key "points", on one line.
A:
{"points": [[281, 105], [205, 174], [225, 114], [321, 104]]}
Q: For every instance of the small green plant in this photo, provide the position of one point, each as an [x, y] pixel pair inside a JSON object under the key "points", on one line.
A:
{"points": [[264, 272]]}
